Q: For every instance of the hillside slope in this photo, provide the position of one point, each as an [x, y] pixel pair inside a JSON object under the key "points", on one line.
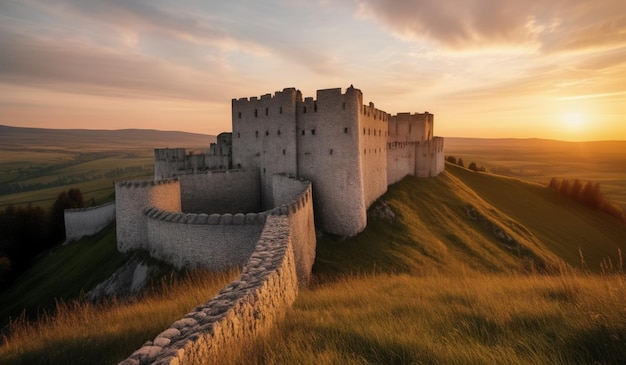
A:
{"points": [[463, 220], [560, 224]]}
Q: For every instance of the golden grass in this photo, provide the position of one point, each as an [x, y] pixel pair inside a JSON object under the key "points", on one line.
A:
{"points": [[446, 319], [85, 333]]}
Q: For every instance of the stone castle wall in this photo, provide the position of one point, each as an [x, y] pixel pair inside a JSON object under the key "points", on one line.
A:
{"points": [[400, 160], [301, 221], [168, 162], [248, 306], [132, 198], [429, 160], [215, 241], [221, 191], [373, 124], [88, 221]]}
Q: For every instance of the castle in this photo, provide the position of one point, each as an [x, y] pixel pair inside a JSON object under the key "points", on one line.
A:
{"points": [[350, 151], [210, 209], [290, 165]]}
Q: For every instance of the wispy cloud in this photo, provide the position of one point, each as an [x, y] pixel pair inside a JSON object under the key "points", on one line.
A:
{"points": [[547, 25]]}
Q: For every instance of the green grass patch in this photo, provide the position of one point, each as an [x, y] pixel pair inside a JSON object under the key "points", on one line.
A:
{"points": [[563, 226], [63, 272], [441, 225]]}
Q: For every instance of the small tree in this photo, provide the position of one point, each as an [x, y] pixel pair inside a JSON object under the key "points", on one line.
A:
{"points": [[576, 190], [70, 199], [451, 159], [472, 166], [460, 162], [555, 184]]}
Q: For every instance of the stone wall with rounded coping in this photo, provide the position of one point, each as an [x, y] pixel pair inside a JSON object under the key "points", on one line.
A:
{"points": [[248, 306], [87, 221], [216, 241]]}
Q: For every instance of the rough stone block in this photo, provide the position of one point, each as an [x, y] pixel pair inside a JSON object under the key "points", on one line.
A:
{"points": [[170, 333], [226, 219], [239, 218], [213, 219]]}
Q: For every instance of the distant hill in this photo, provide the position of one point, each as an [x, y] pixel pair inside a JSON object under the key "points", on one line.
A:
{"points": [[20, 138]]}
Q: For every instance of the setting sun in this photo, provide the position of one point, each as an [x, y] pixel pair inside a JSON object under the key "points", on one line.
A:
{"points": [[574, 121]]}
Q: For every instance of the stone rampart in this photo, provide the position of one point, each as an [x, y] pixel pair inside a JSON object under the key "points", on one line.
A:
{"points": [[214, 241], [400, 160], [221, 191], [429, 158], [88, 221], [131, 198], [301, 221], [248, 306]]}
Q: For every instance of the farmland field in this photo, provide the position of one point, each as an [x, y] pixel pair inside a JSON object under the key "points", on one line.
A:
{"points": [[37, 164], [539, 160]]}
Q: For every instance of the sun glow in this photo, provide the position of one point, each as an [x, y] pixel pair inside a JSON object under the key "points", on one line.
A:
{"points": [[574, 121]]}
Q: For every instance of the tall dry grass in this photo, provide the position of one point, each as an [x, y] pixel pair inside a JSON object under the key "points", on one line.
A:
{"points": [[81, 332], [446, 319]]}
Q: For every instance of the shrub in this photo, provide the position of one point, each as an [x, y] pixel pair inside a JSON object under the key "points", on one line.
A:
{"points": [[588, 193]]}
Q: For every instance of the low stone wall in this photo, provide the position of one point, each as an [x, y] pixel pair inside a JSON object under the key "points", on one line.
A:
{"points": [[213, 241], [87, 221], [249, 305]]}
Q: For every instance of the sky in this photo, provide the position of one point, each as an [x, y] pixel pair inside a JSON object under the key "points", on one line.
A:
{"points": [[485, 68]]}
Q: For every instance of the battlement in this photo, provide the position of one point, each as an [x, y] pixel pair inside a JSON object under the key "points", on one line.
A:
{"points": [[371, 111], [286, 92], [146, 183], [205, 219]]}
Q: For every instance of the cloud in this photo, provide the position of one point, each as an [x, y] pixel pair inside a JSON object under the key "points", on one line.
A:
{"points": [[85, 68], [464, 24]]}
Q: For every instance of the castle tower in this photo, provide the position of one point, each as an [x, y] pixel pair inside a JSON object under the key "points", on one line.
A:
{"points": [[264, 137], [332, 152]]}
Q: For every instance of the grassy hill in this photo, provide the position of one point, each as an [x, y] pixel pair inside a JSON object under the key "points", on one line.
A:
{"points": [[462, 268], [474, 268], [462, 220]]}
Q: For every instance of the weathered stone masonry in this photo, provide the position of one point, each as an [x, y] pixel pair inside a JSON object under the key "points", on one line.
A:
{"points": [[250, 199], [249, 305], [350, 151]]}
